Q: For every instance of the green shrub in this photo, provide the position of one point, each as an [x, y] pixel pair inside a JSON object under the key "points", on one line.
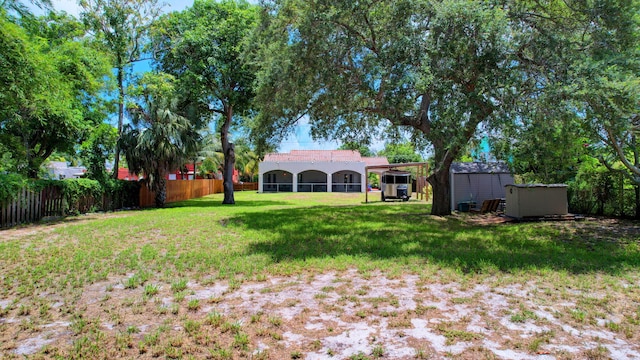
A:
{"points": [[78, 195], [10, 186], [81, 195], [121, 194]]}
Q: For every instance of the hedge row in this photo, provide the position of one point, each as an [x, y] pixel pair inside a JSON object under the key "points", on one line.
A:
{"points": [[80, 195]]}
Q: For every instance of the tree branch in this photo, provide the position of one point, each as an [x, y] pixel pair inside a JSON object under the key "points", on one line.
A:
{"points": [[373, 34], [424, 122], [353, 31], [620, 152]]}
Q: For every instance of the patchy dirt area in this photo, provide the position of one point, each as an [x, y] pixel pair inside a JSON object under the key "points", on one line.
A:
{"points": [[48, 225], [594, 228], [335, 315], [604, 229]]}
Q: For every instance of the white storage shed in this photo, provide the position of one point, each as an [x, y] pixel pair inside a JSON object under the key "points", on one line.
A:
{"points": [[474, 182], [536, 200]]}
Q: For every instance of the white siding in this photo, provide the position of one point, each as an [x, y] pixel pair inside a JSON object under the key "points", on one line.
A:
{"points": [[295, 168]]}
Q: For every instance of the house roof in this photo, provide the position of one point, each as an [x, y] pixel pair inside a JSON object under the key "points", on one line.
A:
{"points": [[480, 168], [376, 160], [124, 174], [58, 168], [324, 156], [57, 165]]}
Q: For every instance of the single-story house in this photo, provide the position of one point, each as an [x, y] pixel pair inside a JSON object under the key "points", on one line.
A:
{"points": [[61, 170], [474, 182], [124, 174], [315, 171]]}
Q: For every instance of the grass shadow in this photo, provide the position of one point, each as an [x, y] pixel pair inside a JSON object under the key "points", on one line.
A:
{"points": [[404, 234], [50, 221], [208, 202]]}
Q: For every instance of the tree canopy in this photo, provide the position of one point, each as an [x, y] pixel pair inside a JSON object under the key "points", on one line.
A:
{"points": [[398, 153], [437, 69], [51, 77], [202, 47], [585, 102], [362, 149], [122, 28], [450, 71]]}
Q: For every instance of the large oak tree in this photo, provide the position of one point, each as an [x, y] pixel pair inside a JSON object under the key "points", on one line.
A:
{"points": [[440, 69]]}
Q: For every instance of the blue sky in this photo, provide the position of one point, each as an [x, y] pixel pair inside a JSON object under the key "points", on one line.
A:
{"points": [[72, 7]]}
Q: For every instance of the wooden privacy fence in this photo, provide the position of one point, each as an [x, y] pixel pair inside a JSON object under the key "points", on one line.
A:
{"points": [[179, 190], [247, 186], [31, 206]]}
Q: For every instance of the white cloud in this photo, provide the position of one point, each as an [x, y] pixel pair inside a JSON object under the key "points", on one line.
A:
{"points": [[71, 7], [301, 140]]}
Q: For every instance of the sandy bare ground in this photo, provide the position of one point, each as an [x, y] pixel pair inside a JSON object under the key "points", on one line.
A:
{"points": [[343, 314], [50, 224]]}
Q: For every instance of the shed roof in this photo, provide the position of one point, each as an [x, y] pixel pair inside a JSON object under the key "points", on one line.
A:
{"points": [[324, 156], [480, 168], [538, 185]]}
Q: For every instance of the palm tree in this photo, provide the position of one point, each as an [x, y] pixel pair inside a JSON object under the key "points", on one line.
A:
{"points": [[158, 140], [209, 153], [247, 161]]}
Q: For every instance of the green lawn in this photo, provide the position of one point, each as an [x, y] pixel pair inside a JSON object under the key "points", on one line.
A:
{"points": [[48, 269]]}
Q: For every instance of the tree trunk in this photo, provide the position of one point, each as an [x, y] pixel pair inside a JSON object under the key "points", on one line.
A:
{"points": [[601, 201], [120, 76], [637, 189], [439, 181], [34, 163], [195, 170], [621, 197], [161, 192], [229, 157], [227, 173], [32, 173], [636, 162]]}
